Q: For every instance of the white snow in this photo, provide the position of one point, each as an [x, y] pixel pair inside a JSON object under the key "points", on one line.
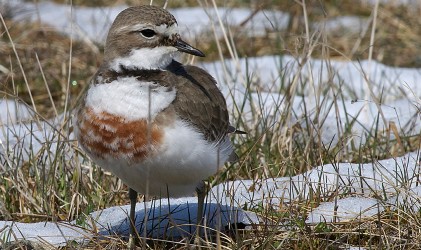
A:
{"points": [[391, 176], [343, 25], [53, 233], [13, 111], [348, 76], [350, 208], [372, 187]]}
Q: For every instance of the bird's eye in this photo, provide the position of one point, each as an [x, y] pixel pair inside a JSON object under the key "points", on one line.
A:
{"points": [[148, 33]]}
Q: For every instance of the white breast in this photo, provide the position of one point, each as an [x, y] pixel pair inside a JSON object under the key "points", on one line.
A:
{"points": [[129, 98]]}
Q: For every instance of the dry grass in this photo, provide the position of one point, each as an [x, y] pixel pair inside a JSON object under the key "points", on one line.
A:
{"points": [[44, 54], [50, 185]]}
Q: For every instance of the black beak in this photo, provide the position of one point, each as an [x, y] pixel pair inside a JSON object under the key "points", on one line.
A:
{"points": [[187, 48]]}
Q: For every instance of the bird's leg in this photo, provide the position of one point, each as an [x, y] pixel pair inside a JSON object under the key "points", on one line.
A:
{"points": [[201, 194], [133, 240]]}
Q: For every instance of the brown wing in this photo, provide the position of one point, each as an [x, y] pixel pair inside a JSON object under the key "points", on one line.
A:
{"points": [[200, 102]]}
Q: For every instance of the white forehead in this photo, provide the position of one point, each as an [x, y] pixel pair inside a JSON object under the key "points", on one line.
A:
{"points": [[170, 30], [162, 29]]}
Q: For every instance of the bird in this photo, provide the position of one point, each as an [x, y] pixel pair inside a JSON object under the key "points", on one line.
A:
{"points": [[160, 126]]}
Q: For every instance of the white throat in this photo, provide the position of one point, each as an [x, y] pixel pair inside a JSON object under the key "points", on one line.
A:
{"points": [[145, 58], [129, 98]]}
